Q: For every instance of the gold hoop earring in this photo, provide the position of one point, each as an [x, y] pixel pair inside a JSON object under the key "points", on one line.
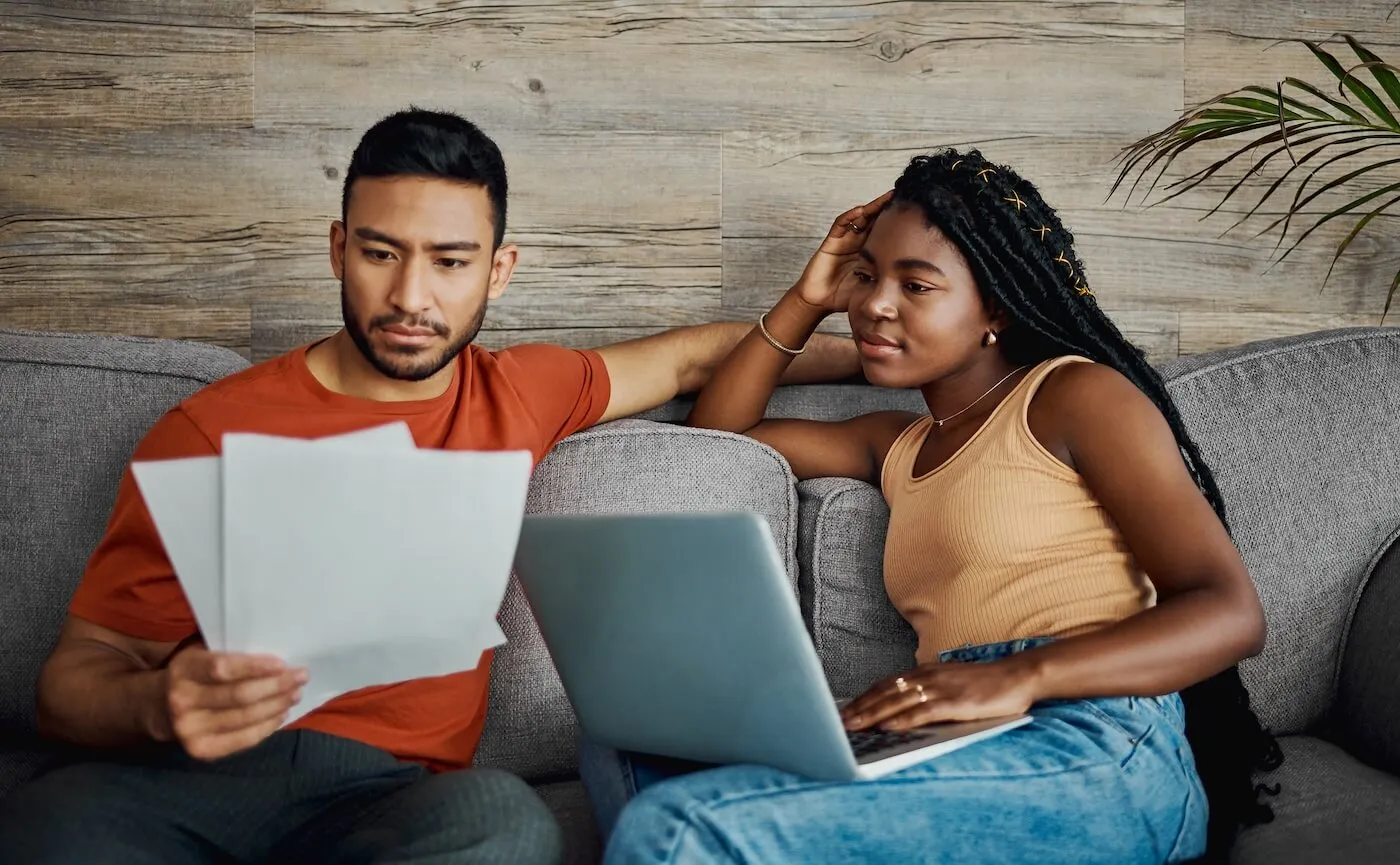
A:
{"points": [[990, 339]]}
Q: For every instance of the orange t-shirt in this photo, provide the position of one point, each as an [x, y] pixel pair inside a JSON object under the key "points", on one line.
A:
{"points": [[523, 398]]}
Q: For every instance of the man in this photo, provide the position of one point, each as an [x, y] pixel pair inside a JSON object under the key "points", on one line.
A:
{"points": [[203, 770]]}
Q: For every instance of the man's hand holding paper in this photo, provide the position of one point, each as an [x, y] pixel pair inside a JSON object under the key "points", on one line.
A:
{"points": [[358, 558]]}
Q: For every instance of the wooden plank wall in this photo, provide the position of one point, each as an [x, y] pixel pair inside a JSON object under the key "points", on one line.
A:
{"points": [[170, 168]]}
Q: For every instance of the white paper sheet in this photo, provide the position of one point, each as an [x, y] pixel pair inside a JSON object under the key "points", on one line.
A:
{"points": [[368, 566], [185, 502]]}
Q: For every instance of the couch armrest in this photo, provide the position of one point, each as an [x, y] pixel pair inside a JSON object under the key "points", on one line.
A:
{"points": [[859, 635], [1367, 708]]}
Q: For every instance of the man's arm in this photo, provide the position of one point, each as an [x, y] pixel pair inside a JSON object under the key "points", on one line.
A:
{"points": [[646, 372], [111, 681], [103, 689]]}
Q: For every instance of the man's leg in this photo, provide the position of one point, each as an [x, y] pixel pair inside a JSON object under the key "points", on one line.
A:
{"points": [[170, 811], [465, 817], [98, 812]]}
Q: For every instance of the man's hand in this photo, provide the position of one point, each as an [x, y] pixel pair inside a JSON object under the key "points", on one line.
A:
{"points": [[826, 282], [944, 692], [222, 703]]}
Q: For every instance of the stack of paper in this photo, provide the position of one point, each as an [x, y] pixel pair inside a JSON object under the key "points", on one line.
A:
{"points": [[360, 557]]}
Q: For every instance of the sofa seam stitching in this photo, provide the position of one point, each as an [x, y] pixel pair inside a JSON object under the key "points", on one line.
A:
{"points": [[1282, 351], [1391, 540], [148, 372]]}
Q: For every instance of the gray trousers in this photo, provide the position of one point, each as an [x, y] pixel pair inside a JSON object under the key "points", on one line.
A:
{"points": [[300, 797]]}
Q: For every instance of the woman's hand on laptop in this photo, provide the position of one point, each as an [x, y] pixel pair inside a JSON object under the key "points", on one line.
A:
{"points": [[221, 703], [951, 691]]}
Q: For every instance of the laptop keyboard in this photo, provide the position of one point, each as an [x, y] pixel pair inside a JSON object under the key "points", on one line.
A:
{"points": [[866, 742]]}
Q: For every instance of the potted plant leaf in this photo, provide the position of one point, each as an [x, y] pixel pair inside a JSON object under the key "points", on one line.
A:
{"points": [[1330, 148]]}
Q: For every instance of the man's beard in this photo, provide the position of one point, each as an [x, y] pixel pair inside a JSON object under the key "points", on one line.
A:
{"points": [[403, 365]]}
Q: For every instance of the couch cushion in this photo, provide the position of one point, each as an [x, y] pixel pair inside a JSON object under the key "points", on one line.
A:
{"points": [[1366, 715], [1304, 437], [859, 635], [814, 402], [630, 466], [569, 803], [74, 409], [1331, 808]]}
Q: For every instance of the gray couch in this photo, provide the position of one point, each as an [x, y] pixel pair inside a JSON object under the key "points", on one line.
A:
{"points": [[1304, 435]]}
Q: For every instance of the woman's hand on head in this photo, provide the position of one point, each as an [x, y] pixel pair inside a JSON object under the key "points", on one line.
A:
{"points": [[826, 282], [953, 691]]}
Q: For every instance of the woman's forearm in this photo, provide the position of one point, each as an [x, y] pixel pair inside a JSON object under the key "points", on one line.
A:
{"points": [[736, 395], [1182, 641]]}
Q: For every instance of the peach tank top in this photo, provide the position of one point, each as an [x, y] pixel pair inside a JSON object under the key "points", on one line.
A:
{"points": [[1003, 540]]}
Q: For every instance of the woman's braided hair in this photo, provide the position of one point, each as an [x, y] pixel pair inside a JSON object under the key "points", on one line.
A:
{"points": [[1024, 262]]}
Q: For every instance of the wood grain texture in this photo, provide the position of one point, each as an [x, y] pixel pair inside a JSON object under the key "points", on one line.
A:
{"points": [[734, 64], [133, 64], [143, 233], [783, 190], [171, 169], [1209, 331], [1230, 44], [614, 229]]}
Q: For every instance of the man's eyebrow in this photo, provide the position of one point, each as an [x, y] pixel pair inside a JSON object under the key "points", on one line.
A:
{"points": [[450, 246], [379, 237], [458, 245]]}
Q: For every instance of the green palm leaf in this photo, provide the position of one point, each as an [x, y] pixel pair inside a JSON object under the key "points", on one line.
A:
{"points": [[1346, 133]]}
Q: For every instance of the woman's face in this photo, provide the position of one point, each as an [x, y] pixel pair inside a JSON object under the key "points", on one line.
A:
{"points": [[915, 310]]}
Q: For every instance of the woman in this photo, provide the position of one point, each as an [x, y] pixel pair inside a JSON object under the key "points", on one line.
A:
{"points": [[1055, 541]]}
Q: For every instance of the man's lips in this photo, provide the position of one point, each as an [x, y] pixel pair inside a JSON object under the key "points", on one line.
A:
{"points": [[403, 335]]}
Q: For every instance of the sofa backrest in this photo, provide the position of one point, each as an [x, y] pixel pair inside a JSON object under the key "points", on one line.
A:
{"points": [[630, 466], [72, 409], [1303, 435]]}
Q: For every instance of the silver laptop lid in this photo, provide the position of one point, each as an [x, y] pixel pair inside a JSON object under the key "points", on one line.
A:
{"points": [[680, 635]]}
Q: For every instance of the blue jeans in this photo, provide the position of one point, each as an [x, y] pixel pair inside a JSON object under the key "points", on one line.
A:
{"points": [[1104, 780]]}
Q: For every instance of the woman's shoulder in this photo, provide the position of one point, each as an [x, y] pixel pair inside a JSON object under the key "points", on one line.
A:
{"points": [[1084, 396], [1075, 380]]}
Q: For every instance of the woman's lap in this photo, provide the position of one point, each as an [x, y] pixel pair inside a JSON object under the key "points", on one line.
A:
{"points": [[1102, 780]]}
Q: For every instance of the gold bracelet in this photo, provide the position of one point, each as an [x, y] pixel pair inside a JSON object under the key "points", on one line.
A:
{"points": [[763, 329]]}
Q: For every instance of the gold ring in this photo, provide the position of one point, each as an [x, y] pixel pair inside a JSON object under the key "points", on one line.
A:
{"points": [[853, 227]]}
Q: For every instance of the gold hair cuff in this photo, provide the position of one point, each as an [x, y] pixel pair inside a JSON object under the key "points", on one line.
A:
{"points": [[763, 329]]}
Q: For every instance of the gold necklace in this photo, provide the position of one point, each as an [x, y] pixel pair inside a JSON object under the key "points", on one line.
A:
{"points": [[940, 423]]}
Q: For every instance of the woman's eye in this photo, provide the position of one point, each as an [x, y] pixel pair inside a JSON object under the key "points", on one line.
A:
{"points": [[863, 277], [916, 288]]}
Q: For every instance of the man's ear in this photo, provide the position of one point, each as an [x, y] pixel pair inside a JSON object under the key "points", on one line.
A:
{"points": [[338, 250], [502, 266]]}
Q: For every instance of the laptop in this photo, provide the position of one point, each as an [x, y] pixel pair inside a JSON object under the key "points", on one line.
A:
{"points": [[679, 635]]}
